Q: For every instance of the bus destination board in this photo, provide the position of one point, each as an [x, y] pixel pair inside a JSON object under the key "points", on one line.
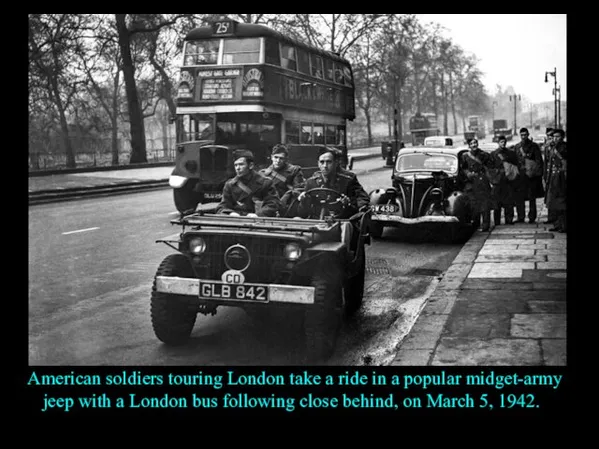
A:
{"points": [[217, 89]]}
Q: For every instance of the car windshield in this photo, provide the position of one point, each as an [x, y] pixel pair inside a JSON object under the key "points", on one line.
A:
{"points": [[427, 162]]}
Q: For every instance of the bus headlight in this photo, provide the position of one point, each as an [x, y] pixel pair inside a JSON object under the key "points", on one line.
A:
{"points": [[197, 245], [293, 251]]}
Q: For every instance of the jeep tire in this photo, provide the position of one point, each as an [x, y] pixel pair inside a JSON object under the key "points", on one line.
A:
{"points": [[173, 317], [322, 319]]}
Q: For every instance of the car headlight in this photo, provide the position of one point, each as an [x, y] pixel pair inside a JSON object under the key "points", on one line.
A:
{"points": [[197, 245], [293, 251]]}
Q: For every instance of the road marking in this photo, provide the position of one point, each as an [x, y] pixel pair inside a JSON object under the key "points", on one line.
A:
{"points": [[80, 230], [173, 213]]}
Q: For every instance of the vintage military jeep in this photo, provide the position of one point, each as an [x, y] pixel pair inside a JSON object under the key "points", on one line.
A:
{"points": [[312, 266]]}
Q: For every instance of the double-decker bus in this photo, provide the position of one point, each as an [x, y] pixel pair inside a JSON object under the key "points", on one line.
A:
{"points": [[246, 86], [423, 125], [476, 125]]}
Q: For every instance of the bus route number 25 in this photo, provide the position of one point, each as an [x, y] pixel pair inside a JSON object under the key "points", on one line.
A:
{"points": [[223, 27]]}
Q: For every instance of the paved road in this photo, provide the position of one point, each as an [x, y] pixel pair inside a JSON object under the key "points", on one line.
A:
{"points": [[92, 262]]}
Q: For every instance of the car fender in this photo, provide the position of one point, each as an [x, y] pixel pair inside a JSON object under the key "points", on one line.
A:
{"points": [[458, 204], [176, 181]]}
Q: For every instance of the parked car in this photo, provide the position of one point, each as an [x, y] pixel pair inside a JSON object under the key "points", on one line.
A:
{"points": [[438, 141], [426, 195], [314, 267]]}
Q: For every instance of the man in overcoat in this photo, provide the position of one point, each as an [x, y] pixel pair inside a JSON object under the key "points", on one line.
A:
{"points": [[530, 162], [249, 193], [503, 190], [474, 165], [557, 186]]}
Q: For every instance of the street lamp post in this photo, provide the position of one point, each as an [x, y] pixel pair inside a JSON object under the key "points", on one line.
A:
{"points": [[554, 75], [515, 100], [559, 107]]}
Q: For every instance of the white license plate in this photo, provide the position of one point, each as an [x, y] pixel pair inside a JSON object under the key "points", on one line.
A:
{"points": [[213, 195], [385, 208], [236, 292]]}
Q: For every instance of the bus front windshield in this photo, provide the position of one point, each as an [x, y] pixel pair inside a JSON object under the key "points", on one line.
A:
{"points": [[236, 129]]}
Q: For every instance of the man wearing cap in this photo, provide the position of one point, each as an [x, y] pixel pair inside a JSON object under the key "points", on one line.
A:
{"points": [[332, 176], [241, 193], [530, 162], [557, 186], [504, 159], [287, 178], [474, 165], [547, 152]]}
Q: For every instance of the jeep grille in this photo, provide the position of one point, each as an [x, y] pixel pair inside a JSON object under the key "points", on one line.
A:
{"points": [[267, 256]]}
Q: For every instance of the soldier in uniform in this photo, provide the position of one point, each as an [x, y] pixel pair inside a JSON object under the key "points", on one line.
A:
{"points": [[474, 165], [530, 162], [287, 178], [556, 186], [503, 191], [332, 176], [547, 152], [241, 193]]}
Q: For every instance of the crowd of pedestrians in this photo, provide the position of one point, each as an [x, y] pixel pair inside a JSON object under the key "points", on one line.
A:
{"points": [[509, 177]]}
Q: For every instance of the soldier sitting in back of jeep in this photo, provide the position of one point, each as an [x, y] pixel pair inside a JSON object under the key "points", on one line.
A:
{"points": [[241, 193]]}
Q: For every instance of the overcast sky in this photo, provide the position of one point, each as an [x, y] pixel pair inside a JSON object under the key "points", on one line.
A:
{"points": [[513, 49]]}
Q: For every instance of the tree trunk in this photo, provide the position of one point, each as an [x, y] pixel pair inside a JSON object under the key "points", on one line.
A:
{"points": [[64, 127], [453, 113], [136, 122]]}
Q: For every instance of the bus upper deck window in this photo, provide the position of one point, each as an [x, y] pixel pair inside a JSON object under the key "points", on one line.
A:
{"points": [[288, 59], [303, 61], [241, 51], [201, 52], [316, 64], [328, 70], [338, 74]]}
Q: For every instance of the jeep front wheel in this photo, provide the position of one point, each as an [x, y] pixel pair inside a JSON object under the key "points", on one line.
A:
{"points": [[322, 319], [173, 317]]}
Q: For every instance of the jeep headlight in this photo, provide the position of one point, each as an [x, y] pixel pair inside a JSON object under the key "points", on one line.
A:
{"points": [[197, 245], [293, 251]]}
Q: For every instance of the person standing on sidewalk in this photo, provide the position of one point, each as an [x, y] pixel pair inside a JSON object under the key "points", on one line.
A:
{"points": [[547, 151], [474, 165], [506, 161], [530, 162], [557, 188]]}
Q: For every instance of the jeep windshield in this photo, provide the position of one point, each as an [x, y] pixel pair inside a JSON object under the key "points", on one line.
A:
{"points": [[427, 162]]}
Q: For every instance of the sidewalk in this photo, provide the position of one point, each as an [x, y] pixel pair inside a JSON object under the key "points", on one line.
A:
{"points": [[501, 302]]}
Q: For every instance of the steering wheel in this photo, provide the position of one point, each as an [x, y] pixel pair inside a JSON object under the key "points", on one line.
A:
{"points": [[324, 201]]}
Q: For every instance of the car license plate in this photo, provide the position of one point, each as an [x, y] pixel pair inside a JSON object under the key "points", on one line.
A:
{"points": [[385, 208], [213, 195], [236, 292]]}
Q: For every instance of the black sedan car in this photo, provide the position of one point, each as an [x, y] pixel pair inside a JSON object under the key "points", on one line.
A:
{"points": [[426, 197]]}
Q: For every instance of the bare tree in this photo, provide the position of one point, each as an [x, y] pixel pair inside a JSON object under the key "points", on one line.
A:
{"points": [[53, 41]]}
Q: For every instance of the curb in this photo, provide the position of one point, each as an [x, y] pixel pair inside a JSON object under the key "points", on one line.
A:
{"points": [[438, 306]]}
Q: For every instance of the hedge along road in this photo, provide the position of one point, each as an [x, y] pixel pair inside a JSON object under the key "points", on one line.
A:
{"points": [[91, 267]]}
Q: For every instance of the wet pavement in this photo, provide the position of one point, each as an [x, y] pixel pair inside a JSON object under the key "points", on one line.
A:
{"points": [[502, 302]]}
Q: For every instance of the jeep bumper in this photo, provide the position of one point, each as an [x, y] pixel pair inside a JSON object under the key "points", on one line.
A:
{"points": [[289, 294]]}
